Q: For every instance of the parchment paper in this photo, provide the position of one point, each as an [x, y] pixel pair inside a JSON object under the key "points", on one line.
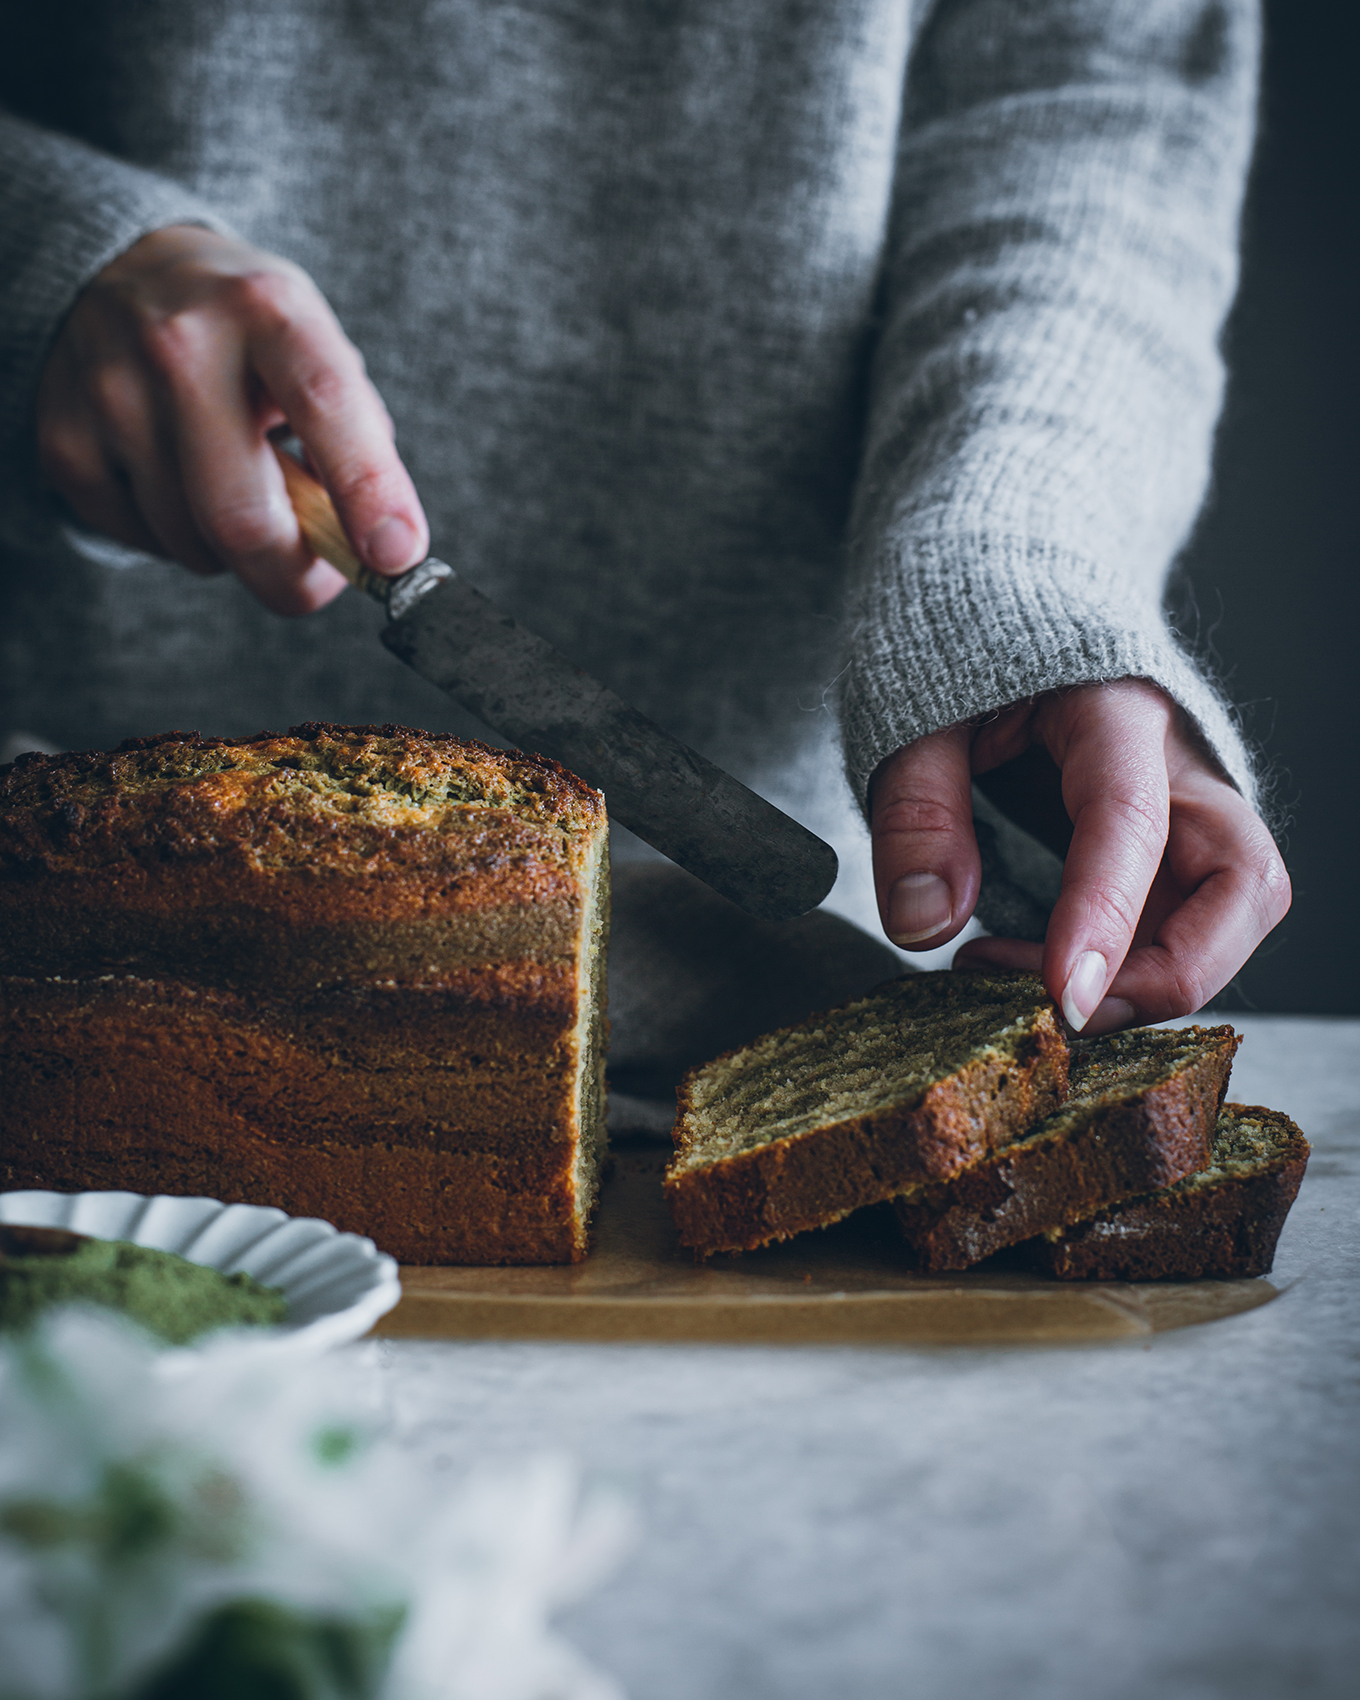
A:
{"points": [[847, 1285]]}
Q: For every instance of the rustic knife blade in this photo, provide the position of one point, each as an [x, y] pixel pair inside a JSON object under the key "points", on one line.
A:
{"points": [[514, 681]]}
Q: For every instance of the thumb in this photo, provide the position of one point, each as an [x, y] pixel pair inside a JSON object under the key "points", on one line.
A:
{"points": [[926, 867]]}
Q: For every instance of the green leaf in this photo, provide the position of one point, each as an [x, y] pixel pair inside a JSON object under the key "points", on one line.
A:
{"points": [[259, 1650]]}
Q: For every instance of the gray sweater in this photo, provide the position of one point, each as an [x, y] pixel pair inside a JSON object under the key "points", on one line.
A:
{"points": [[785, 362]]}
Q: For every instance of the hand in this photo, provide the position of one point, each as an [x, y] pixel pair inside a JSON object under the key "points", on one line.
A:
{"points": [[155, 401], [1170, 882]]}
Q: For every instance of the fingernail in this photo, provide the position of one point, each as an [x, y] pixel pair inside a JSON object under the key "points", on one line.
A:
{"points": [[1111, 1014], [1085, 988], [391, 545], [918, 906]]}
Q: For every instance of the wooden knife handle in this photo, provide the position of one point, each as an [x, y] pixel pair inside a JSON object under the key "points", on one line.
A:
{"points": [[321, 527]]}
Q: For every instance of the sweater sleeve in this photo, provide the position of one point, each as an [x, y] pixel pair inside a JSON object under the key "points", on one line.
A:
{"points": [[66, 210], [1047, 380]]}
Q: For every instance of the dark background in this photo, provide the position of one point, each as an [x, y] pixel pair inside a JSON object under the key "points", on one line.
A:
{"points": [[1271, 589]]}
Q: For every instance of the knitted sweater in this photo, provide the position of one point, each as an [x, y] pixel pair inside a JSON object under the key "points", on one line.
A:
{"points": [[764, 355]]}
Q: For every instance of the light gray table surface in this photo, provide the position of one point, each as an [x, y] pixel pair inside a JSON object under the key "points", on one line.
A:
{"points": [[1176, 1517]]}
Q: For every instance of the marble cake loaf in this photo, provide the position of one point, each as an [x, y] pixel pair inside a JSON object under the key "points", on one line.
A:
{"points": [[356, 972]]}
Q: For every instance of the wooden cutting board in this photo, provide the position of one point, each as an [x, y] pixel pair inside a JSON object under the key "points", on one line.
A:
{"points": [[847, 1285]]}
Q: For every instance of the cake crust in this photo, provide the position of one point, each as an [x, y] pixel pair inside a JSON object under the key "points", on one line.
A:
{"points": [[290, 860], [1085, 1156]]}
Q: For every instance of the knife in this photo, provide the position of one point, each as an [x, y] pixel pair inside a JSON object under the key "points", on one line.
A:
{"points": [[671, 796]]}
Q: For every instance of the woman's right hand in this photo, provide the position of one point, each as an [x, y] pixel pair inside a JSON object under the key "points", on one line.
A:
{"points": [[155, 402]]}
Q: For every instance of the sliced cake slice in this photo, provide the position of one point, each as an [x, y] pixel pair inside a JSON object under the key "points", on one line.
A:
{"points": [[1140, 1115], [1222, 1222], [912, 1082]]}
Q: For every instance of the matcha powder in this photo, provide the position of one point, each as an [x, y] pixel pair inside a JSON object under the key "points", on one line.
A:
{"points": [[173, 1298]]}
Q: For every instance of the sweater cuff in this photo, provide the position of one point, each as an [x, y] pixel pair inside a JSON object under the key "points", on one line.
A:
{"points": [[68, 210], [963, 626]]}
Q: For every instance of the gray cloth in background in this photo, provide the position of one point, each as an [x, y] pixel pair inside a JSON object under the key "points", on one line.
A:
{"points": [[691, 976], [689, 315]]}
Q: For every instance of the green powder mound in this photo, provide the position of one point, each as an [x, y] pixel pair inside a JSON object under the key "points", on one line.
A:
{"points": [[171, 1297]]}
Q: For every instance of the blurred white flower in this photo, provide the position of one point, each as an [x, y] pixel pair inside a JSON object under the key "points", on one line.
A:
{"points": [[511, 1550], [141, 1494]]}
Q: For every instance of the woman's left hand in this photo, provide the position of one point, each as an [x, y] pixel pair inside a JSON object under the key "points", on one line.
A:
{"points": [[1170, 882]]}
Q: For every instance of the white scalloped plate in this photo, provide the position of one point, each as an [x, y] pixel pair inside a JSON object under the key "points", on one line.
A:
{"points": [[337, 1285]]}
